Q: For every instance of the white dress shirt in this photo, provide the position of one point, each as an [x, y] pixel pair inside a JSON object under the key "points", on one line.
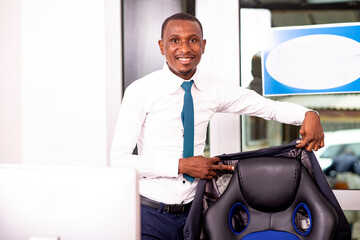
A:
{"points": [[150, 116]]}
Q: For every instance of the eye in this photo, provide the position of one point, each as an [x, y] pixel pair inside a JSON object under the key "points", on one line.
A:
{"points": [[193, 40], [174, 40]]}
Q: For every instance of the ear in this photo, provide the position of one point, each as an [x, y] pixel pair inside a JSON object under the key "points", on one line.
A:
{"points": [[204, 43], [161, 46]]}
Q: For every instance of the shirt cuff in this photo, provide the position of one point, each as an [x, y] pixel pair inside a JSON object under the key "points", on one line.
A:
{"points": [[167, 167], [310, 110]]}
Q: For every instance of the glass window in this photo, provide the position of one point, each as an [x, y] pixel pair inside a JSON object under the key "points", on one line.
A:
{"points": [[332, 151], [340, 112], [353, 218]]}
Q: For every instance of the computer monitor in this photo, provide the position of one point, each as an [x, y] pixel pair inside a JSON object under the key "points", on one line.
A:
{"points": [[68, 203]]}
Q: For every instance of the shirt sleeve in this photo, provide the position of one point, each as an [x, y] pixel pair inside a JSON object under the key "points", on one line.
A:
{"points": [[131, 117], [235, 99]]}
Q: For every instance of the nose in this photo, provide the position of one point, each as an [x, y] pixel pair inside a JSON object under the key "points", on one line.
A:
{"points": [[184, 47]]}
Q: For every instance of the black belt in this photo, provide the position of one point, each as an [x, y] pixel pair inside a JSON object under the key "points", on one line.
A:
{"points": [[170, 208]]}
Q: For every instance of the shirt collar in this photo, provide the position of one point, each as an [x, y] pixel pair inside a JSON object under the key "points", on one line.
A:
{"points": [[171, 83]]}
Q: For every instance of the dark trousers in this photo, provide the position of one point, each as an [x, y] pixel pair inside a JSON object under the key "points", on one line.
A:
{"points": [[158, 224]]}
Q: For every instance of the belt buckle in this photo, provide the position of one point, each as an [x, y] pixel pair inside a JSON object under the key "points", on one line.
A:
{"points": [[177, 208]]}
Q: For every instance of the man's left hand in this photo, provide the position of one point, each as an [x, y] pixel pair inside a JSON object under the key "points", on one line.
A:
{"points": [[311, 132]]}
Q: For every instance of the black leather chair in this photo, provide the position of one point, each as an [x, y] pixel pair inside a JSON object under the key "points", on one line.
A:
{"points": [[271, 198]]}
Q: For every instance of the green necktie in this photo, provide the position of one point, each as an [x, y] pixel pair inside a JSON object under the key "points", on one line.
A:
{"points": [[187, 117]]}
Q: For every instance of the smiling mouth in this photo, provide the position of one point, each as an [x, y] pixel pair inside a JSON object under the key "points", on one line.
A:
{"points": [[184, 60]]}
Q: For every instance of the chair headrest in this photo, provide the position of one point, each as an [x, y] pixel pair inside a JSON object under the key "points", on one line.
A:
{"points": [[269, 184]]}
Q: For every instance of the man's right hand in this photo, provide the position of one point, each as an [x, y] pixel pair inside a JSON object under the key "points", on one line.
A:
{"points": [[201, 167]]}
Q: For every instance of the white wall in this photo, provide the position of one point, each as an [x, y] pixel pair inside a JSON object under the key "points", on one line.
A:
{"points": [[69, 84], [113, 67], [222, 59], [10, 81]]}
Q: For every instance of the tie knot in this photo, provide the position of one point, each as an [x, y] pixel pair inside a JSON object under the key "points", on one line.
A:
{"points": [[187, 85]]}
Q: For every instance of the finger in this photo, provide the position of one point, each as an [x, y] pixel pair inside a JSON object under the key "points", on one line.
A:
{"points": [[313, 145], [316, 147], [215, 159], [212, 174], [310, 146], [223, 167], [319, 145], [302, 143], [208, 177], [306, 143]]}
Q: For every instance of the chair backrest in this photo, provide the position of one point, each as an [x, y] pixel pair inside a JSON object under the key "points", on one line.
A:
{"points": [[271, 198]]}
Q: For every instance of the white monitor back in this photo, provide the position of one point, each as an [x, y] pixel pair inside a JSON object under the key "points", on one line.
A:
{"points": [[68, 203]]}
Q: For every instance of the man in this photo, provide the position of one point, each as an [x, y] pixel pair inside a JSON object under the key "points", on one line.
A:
{"points": [[150, 117], [346, 161]]}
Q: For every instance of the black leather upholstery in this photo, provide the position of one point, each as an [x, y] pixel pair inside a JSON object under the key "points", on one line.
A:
{"points": [[271, 193]]}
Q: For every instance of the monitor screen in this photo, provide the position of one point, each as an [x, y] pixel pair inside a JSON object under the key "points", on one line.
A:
{"points": [[68, 203]]}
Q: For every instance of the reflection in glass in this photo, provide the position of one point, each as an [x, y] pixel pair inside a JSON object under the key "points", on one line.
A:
{"points": [[337, 111], [353, 218], [340, 158]]}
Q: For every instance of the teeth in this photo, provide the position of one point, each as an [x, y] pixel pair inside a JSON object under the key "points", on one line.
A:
{"points": [[184, 59]]}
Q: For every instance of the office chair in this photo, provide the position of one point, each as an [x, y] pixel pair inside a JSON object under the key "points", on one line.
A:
{"points": [[271, 198]]}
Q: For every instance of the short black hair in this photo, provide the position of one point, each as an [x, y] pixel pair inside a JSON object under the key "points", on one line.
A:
{"points": [[180, 16]]}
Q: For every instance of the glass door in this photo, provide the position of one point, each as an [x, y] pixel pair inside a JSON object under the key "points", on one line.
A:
{"points": [[340, 112]]}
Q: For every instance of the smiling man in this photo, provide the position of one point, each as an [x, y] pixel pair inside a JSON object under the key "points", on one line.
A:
{"points": [[151, 118], [182, 44]]}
